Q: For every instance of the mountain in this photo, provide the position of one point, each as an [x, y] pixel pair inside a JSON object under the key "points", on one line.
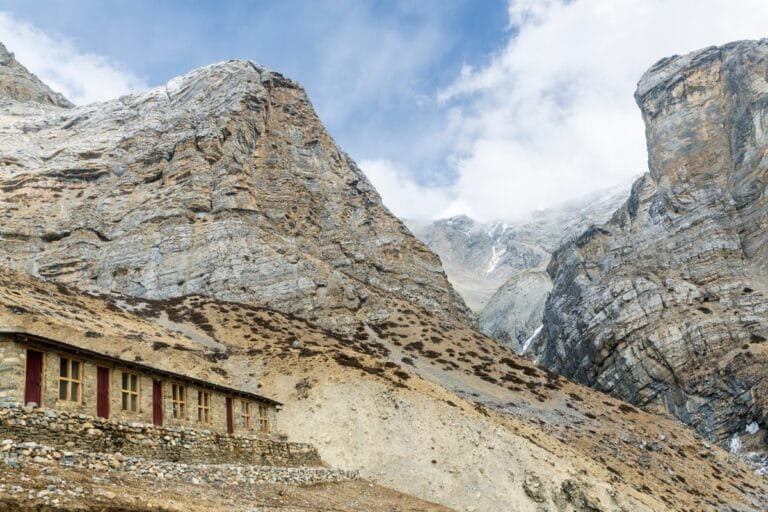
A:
{"points": [[17, 84], [665, 304], [223, 182], [499, 267], [214, 218]]}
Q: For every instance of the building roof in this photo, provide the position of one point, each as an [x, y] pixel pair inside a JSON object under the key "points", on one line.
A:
{"points": [[44, 342]]}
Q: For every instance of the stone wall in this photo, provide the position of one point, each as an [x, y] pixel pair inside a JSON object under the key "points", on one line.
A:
{"points": [[71, 431], [17, 454], [12, 359]]}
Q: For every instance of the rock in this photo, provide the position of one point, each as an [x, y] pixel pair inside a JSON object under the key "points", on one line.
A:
{"points": [[665, 304], [653, 447], [533, 487], [499, 267], [20, 85], [576, 494], [515, 311], [223, 182]]}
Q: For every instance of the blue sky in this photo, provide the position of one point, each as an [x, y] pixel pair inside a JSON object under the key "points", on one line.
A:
{"points": [[491, 108]]}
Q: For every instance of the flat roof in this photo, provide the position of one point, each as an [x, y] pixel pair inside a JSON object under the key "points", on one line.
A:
{"points": [[33, 339]]}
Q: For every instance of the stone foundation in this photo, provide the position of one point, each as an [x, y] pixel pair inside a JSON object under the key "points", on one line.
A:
{"points": [[68, 431], [17, 454]]}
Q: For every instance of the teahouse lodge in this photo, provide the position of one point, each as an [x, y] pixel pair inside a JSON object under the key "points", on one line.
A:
{"points": [[59, 375]]}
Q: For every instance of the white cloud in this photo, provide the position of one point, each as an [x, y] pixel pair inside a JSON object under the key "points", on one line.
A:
{"points": [[81, 77], [552, 116], [403, 196]]}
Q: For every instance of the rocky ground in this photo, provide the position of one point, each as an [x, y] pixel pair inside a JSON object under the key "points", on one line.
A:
{"points": [[434, 411], [17, 453], [42, 485]]}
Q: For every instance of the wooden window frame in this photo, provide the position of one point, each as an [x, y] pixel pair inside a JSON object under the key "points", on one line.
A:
{"points": [[179, 401], [263, 418], [66, 381], [245, 414], [204, 406], [126, 393]]}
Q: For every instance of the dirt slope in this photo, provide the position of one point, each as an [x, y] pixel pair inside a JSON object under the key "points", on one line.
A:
{"points": [[425, 407]]}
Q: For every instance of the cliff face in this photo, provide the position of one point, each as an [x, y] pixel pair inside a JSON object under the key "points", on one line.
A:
{"points": [[665, 305], [514, 313], [223, 183]]}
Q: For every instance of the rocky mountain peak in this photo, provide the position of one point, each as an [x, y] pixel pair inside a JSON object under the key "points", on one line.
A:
{"points": [[665, 305], [223, 182], [498, 267], [18, 84]]}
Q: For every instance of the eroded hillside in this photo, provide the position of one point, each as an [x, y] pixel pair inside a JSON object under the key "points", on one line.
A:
{"points": [[433, 410]]}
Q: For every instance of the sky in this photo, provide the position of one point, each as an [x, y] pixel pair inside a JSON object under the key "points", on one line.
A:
{"points": [[488, 108]]}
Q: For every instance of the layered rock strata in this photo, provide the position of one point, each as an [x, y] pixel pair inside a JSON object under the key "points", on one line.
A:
{"points": [[18, 84], [223, 182], [665, 305]]}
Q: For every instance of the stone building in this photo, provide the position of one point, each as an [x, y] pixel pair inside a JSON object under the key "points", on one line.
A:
{"points": [[70, 377]]}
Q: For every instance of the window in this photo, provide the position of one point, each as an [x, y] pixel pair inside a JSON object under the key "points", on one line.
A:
{"points": [[70, 379], [203, 407], [179, 400], [263, 418], [130, 392], [245, 414]]}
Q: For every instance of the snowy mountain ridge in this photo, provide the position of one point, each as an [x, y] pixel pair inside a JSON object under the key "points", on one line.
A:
{"points": [[489, 262]]}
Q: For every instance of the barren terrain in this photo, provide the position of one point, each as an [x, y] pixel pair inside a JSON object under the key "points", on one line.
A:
{"points": [[51, 488], [416, 404]]}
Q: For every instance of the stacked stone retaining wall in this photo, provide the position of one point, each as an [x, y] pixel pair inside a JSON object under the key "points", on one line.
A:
{"points": [[69, 431], [17, 454]]}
